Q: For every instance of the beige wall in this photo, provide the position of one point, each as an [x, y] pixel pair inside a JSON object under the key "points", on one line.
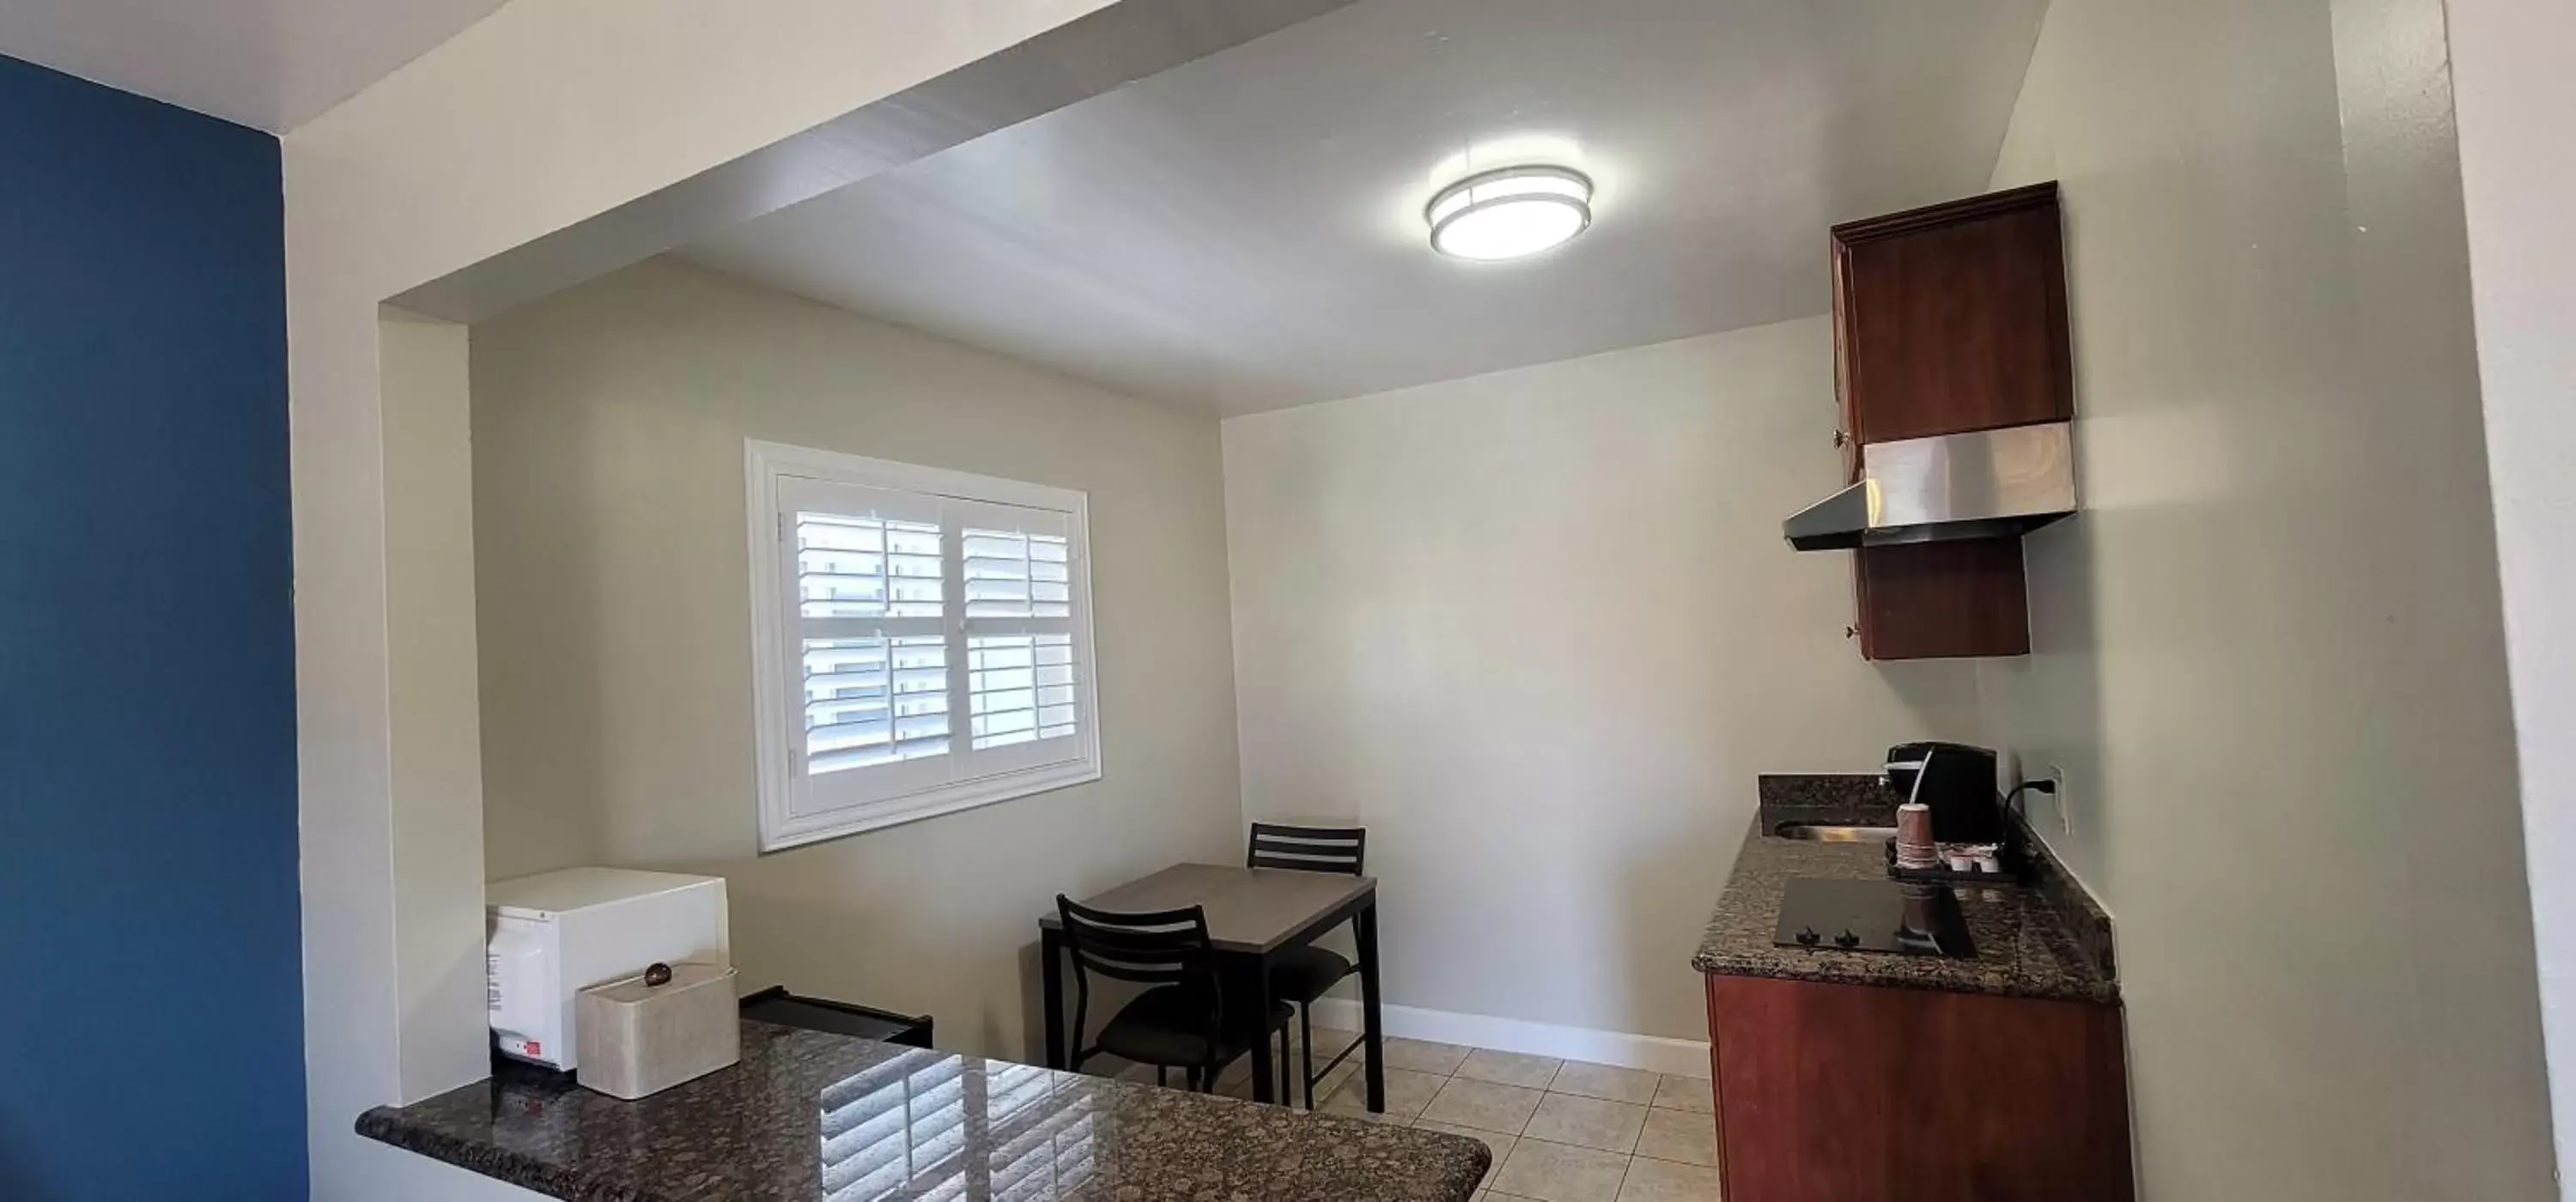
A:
{"points": [[611, 575], [1537, 630], [2268, 654]]}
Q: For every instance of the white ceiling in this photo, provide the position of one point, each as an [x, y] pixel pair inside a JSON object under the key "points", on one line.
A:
{"points": [[1245, 231], [268, 64]]}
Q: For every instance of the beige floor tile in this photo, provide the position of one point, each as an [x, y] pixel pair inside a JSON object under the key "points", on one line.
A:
{"points": [[1241, 1071], [1499, 1144], [1510, 1068], [1588, 1122], [1678, 1135], [1560, 1173], [1604, 1081], [1235, 1080], [1483, 1105], [1347, 1070], [1406, 1093], [1329, 1044], [1685, 1093], [1415, 1055], [1329, 1041], [1664, 1181]]}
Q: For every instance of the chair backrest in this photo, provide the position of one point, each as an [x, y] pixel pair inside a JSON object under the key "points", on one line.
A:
{"points": [[1161, 947], [1308, 848]]}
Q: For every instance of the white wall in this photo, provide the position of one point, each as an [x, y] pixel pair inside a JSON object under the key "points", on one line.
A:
{"points": [[436, 739], [544, 114], [2268, 653], [617, 680], [1538, 632], [2517, 101]]}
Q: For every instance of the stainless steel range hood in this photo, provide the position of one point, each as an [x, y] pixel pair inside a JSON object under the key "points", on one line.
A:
{"points": [[1987, 484]]}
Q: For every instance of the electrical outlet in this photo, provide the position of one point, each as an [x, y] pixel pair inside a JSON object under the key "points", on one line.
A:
{"points": [[2061, 802]]}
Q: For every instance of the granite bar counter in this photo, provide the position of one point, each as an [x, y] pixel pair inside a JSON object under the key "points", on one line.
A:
{"points": [[809, 1115], [2042, 940]]}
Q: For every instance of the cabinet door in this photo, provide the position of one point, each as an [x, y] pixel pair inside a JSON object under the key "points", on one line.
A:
{"points": [[1953, 318], [1847, 1093], [1846, 428], [1942, 600]]}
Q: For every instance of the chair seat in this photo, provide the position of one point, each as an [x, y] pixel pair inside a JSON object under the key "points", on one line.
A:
{"points": [[1168, 1026], [1304, 974]]}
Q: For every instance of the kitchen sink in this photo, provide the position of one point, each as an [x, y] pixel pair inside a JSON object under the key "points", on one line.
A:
{"points": [[1818, 832]]}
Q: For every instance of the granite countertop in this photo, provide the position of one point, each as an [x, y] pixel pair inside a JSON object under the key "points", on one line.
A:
{"points": [[2045, 940], [810, 1115]]}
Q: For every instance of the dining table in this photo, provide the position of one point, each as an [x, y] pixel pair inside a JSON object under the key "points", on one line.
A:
{"points": [[1253, 916]]}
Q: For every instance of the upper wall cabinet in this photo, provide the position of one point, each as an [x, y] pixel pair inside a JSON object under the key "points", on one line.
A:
{"points": [[1953, 318], [1947, 320]]}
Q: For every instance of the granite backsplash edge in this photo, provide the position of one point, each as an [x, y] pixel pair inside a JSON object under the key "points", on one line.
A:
{"points": [[1848, 799]]}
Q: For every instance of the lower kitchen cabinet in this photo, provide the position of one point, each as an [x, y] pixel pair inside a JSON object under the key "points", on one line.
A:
{"points": [[1855, 1093]]}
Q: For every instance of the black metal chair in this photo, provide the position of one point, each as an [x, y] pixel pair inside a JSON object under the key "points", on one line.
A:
{"points": [[1183, 1019], [1304, 974]]}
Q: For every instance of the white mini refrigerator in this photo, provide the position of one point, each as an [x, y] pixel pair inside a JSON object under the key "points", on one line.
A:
{"points": [[553, 935]]}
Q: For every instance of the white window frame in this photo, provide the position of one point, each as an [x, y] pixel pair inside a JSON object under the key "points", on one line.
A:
{"points": [[777, 648]]}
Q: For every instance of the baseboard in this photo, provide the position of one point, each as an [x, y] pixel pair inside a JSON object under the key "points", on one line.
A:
{"points": [[1680, 1057]]}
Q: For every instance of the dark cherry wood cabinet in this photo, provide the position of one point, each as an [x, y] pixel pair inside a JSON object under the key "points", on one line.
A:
{"points": [[1942, 600], [1948, 319], [1953, 317], [1850, 1093]]}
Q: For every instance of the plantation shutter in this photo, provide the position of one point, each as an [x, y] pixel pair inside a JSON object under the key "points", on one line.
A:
{"points": [[1021, 680], [935, 644]]}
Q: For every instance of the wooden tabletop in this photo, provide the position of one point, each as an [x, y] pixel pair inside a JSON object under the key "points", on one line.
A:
{"points": [[1248, 909]]}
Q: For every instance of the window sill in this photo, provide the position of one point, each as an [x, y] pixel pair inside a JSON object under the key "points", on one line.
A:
{"points": [[948, 799]]}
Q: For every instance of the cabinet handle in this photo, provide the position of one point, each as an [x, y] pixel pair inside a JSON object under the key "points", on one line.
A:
{"points": [[1841, 438]]}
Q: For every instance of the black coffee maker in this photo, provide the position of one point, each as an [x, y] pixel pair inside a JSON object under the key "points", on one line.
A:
{"points": [[1957, 781]]}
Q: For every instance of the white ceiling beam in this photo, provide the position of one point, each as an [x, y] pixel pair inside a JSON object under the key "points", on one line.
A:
{"points": [[1087, 57]]}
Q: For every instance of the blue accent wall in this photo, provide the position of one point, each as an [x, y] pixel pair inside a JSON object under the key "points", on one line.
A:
{"points": [[151, 1015]]}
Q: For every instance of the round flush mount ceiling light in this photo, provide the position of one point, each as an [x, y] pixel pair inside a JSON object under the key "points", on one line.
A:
{"points": [[1509, 213]]}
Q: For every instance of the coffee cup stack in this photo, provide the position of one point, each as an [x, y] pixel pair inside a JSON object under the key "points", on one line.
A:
{"points": [[1914, 847]]}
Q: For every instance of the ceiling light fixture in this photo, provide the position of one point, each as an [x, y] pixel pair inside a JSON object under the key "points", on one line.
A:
{"points": [[1509, 213]]}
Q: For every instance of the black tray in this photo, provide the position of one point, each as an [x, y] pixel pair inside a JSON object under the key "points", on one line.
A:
{"points": [[776, 1005]]}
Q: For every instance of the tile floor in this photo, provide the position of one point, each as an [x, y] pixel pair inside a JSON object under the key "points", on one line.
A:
{"points": [[1561, 1130]]}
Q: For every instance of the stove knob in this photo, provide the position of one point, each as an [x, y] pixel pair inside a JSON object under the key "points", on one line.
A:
{"points": [[1846, 939], [1807, 936]]}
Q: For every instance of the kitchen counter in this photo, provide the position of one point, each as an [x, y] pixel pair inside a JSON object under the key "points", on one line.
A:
{"points": [[810, 1115], [2044, 940]]}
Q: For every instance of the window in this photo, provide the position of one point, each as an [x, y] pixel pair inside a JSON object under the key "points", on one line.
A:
{"points": [[921, 638]]}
